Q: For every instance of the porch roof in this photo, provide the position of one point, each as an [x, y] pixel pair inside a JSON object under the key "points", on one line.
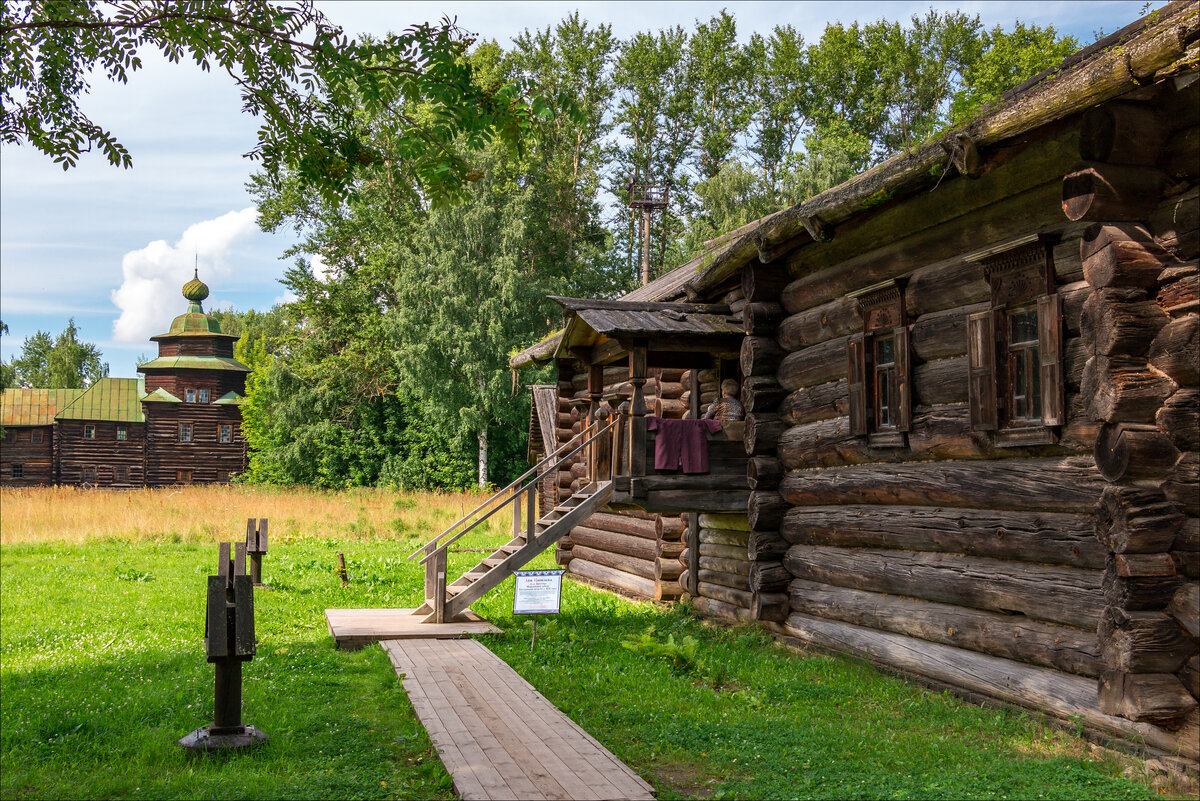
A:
{"points": [[665, 327]]}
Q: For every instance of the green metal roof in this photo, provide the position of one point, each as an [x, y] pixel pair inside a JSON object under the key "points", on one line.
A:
{"points": [[160, 395], [194, 363], [34, 407], [230, 397], [111, 399], [195, 321]]}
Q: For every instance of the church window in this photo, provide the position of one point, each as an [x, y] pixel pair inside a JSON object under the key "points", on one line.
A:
{"points": [[122, 433], [202, 395], [190, 395], [36, 437], [18, 471], [185, 432], [226, 433], [89, 432]]}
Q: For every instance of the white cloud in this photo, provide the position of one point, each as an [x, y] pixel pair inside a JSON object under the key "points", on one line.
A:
{"points": [[320, 268], [149, 293]]}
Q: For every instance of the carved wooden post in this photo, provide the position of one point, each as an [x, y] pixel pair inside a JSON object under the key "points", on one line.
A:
{"points": [[595, 390], [620, 440], [637, 411]]}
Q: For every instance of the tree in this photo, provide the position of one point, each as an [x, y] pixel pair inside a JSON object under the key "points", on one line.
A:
{"points": [[297, 71], [61, 362]]}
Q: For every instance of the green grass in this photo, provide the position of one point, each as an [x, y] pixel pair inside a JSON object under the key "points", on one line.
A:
{"points": [[102, 670]]}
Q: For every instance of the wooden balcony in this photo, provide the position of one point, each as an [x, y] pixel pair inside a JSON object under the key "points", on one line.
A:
{"points": [[723, 489]]}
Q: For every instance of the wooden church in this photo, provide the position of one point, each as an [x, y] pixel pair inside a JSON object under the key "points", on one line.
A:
{"points": [[181, 423]]}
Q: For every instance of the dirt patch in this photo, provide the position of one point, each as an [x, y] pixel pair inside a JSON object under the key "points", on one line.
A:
{"points": [[683, 777]]}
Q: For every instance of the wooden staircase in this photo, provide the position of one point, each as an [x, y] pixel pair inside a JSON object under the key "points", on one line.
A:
{"points": [[448, 602]]}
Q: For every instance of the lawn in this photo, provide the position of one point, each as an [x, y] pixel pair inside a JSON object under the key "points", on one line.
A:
{"points": [[102, 670]]}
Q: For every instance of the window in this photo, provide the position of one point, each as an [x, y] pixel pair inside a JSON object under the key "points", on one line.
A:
{"points": [[223, 476], [89, 475], [202, 395], [1015, 348], [185, 432], [190, 395], [226, 433], [36, 436], [18, 471], [89, 432], [183, 476], [122, 433], [878, 369], [120, 474]]}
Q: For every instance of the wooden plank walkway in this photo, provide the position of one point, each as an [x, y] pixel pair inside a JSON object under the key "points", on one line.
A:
{"points": [[353, 628], [498, 737]]}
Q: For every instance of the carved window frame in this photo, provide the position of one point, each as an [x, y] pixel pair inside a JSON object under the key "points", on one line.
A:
{"points": [[1021, 280], [185, 432], [884, 319], [89, 431]]}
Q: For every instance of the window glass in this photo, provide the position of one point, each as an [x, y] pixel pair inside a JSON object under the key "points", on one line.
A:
{"points": [[122, 433], [227, 433], [89, 475], [1024, 367], [18, 471], [89, 432], [185, 432], [36, 437], [1024, 327], [120, 473], [190, 395], [202, 394]]}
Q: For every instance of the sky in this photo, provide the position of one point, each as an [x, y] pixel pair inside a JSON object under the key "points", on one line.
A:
{"points": [[112, 247]]}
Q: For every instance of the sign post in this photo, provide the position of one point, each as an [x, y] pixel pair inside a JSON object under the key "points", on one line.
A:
{"points": [[537, 592]]}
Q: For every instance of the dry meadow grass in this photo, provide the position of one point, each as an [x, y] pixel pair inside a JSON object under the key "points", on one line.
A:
{"points": [[210, 513]]}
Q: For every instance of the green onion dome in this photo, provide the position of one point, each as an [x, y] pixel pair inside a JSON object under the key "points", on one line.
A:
{"points": [[195, 290]]}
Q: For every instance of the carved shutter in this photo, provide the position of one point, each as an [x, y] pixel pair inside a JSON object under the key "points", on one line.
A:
{"points": [[856, 376], [981, 356], [903, 379], [1049, 311]]}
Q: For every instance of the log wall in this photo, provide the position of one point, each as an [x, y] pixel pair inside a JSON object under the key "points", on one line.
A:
{"points": [[36, 458], [104, 454], [204, 459]]}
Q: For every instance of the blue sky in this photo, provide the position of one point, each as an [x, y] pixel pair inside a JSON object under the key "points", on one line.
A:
{"points": [[111, 247]]}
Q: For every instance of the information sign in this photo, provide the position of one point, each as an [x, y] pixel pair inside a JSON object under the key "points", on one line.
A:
{"points": [[538, 592]]}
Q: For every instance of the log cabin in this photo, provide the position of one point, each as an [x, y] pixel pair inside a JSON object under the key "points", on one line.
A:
{"points": [[179, 424], [970, 374]]}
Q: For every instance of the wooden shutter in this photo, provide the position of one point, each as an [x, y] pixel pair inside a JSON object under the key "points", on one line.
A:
{"points": [[1049, 312], [856, 377], [981, 356], [903, 379]]}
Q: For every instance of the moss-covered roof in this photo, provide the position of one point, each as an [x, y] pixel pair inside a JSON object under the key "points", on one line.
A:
{"points": [[109, 399], [230, 398], [194, 363], [34, 407], [160, 395]]}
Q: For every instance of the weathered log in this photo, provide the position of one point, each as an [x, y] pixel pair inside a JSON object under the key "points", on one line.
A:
{"points": [[1143, 564], [1070, 484], [1181, 154], [669, 527], [733, 295], [770, 606], [1176, 224], [1157, 698], [667, 569], [1046, 690], [1121, 133], [1187, 539], [1181, 485], [719, 536], [564, 478], [1075, 358], [627, 564], [1184, 607], [1064, 595], [769, 577], [626, 544], [764, 284], [666, 407], [602, 574], [623, 524], [729, 595], [942, 334], [578, 470], [1187, 563], [945, 286], [766, 546], [1138, 593], [722, 551], [1121, 255], [1136, 520], [1073, 297], [670, 389], [820, 402], [763, 472], [1112, 324], [1045, 537], [837, 318], [1142, 642], [941, 381], [671, 374], [1124, 389], [1111, 192], [724, 521], [1179, 289], [761, 319], [715, 608], [1010, 636], [762, 433], [816, 365], [1134, 452], [763, 398], [731, 580], [668, 590], [668, 550], [740, 567], [1176, 350], [1189, 675], [765, 510], [760, 356]]}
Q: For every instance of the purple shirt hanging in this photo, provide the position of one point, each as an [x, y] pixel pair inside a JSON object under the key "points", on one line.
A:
{"points": [[681, 443]]}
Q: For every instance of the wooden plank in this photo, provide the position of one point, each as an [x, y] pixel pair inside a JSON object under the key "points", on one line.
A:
{"points": [[496, 735]]}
